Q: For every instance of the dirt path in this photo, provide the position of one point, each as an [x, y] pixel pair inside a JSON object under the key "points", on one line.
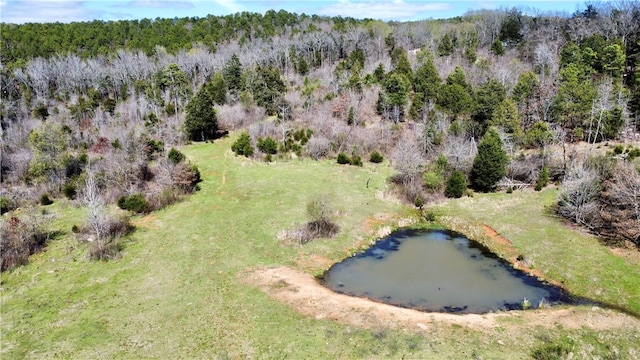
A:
{"points": [[302, 292]]}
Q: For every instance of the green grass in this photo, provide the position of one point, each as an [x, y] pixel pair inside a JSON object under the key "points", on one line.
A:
{"points": [[177, 290]]}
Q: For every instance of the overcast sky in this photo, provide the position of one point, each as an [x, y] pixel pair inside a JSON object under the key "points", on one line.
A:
{"points": [[22, 11]]}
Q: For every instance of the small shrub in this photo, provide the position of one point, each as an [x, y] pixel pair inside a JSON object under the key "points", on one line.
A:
{"points": [[69, 190], [116, 144], [109, 246], [75, 229], [430, 216], [170, 109], [135, 202], [321, 222], [268, 145], [164, 198], [4, 205], [41, 111], [242, 146], [21, 237], [45, 200], [551, 351], [153, 147], [633, 153], [151, 120], [442, 164], [318, 147], [175, 156], [456, 185], [376, 157], [543, 179], [268, 158], [186, 177], [433, 180], [618, 149], [343, 159], [419, 202], [510, 190], [356, 160]]}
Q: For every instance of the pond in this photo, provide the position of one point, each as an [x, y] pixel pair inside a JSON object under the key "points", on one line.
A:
{"points": [[438, 270]]}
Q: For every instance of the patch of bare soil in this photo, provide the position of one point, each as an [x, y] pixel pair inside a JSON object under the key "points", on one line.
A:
{"points": [[147, 222], [628, 252], [302, 292]]}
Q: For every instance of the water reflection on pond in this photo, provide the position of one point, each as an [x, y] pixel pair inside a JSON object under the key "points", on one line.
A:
{"points": [[437, 271]]}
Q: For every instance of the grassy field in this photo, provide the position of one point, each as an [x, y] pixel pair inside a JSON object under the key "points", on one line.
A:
{"points": [[177, 290]]}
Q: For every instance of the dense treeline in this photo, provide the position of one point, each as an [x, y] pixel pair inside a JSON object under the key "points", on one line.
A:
{"points": [[99, 124], [21, 43]]}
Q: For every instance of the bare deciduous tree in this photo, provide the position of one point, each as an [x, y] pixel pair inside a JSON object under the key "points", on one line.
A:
{"points": [[578, 196], [624, 193], [317, 147], [96, 216], [460, 152], [406, 159]]}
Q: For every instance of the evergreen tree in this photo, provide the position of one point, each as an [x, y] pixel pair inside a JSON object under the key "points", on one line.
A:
{"points": [[487, 98], [505, 116], [48, 147], [613, 60], [455, 95], [524, 95], [173, 79], [351, 116], [454, 99], [446, 46], [268, 145], [497, 48], [458, 77], [573, 102], [400, 62], [613, 122], [242, 146], [201, 123], [395, 96], [379, 74], [427, 80], [525, 87], [175, 156], [233, 75], [471, 45], [490, 165], [355, 82], [217, 89], [302, 67], [267, 88], [356, 58], [570, 54], [456, 185], [510, 28]]}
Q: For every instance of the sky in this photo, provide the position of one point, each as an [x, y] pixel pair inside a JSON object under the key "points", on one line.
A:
{"points": [[23, 11]]}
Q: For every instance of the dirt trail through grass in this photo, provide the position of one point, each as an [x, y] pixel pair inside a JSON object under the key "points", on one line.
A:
{"points": [[307, 296]]}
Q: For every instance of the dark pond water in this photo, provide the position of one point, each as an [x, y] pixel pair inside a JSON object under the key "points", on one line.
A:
{"points": [[437, 271]]}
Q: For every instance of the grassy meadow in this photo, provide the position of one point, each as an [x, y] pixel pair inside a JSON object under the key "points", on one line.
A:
{"points": [[177, 290]]}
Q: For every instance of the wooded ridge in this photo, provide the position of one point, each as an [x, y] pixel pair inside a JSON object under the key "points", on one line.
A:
{"points": [[97, 111]]}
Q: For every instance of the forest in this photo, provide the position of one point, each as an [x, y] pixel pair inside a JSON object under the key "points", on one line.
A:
{"points": [[497, 100]]}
